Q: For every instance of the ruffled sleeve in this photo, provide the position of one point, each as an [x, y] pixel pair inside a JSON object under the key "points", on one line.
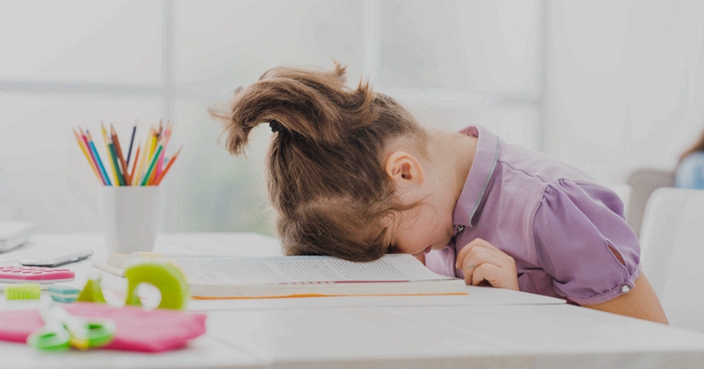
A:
{"points": [[583, 242]]}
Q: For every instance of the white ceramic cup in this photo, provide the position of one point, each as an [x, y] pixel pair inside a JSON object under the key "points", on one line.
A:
{"points": [[130, 217]]}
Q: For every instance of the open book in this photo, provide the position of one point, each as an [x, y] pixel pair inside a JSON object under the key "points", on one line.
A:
{"points": [[312, 276]]}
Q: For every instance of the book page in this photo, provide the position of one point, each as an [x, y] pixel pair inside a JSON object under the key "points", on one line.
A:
{"points": [[303, 269]]}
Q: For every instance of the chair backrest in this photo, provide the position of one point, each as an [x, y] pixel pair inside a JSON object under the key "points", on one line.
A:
{"points": [[672, 253], [643, 182]]}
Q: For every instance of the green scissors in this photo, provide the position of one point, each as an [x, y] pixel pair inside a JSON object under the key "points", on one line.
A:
{"points": [[62, 330]]}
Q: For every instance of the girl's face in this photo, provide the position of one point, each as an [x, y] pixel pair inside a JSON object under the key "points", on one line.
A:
{"points": [[417, 231], [436, 184]]}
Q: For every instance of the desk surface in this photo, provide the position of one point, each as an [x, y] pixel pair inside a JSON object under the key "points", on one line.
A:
{"points": [[489, 328]]}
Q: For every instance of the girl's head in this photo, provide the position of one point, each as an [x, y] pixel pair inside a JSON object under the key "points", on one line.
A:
{"points": [[326, 177]]}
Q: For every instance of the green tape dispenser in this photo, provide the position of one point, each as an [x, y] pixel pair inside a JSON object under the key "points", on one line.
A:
{"points": [[167, 278]]}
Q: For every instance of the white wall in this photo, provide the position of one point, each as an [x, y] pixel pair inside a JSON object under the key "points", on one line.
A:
{"points": [[625, 83]]}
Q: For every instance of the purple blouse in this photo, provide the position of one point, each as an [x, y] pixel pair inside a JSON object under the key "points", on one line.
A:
{"points": [[562, 228]]}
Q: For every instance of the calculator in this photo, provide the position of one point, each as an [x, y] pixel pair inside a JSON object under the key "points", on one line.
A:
{"points": [[24, 274]]}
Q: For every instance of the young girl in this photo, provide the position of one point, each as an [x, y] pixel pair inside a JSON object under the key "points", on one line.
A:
{"points": [[353, 175]]}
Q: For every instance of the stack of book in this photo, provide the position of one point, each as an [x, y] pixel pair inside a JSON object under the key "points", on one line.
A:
{"points": [[231, 277]]}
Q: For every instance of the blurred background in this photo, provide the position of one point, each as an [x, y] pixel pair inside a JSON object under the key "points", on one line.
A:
{"points": [[607, 86]]}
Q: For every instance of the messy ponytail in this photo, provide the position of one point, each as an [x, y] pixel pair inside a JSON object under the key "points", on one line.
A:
{"points": [[325, 174]]}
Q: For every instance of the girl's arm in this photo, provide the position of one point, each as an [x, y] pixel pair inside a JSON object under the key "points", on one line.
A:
{"points": [[584, 243], [480, 260], [640, 302]]}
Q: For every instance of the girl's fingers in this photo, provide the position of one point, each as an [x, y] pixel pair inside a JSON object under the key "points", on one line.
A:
{"points": [[489, 272], [473, 260], [468, 271], [477, 243], [479, 260], [478, 253]]}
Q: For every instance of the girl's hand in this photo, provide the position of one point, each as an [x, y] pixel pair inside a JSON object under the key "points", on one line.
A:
{"points": [[481, 261]]}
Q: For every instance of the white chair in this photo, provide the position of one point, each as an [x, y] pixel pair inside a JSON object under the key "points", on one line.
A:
{"points": [[672, 253], [643, 182]]}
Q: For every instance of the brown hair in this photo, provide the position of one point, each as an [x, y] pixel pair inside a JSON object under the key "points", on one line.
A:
{"points": [[325, 174], [699, 146]]}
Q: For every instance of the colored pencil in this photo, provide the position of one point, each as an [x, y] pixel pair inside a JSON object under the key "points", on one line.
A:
{"points": [[109, 154], [159, 164], [145, 157], [160, 130], [167, 137], [87, 155], [103, 176], [159, 157], [152, 143], [113, 157], [129, 151], [97, 158], [168, 165], [118, 149], [136, 156], [134, 176], [151, 166], [152, 176], [160, 160]]}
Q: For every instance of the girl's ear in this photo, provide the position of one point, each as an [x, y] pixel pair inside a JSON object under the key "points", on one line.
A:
{"points": [[404, 169]]}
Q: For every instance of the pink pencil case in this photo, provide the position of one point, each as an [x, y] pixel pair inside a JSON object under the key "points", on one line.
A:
{"points": [[137, 329], [23, 274]]}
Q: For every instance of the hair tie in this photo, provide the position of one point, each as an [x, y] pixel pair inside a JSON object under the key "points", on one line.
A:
{"points": [[276, 126]]}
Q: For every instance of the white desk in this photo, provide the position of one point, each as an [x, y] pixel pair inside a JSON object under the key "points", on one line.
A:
{"points": [[490, 328], [502, 336]]}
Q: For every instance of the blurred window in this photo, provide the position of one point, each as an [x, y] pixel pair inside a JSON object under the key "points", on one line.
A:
{"points": [[80, 62]]}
